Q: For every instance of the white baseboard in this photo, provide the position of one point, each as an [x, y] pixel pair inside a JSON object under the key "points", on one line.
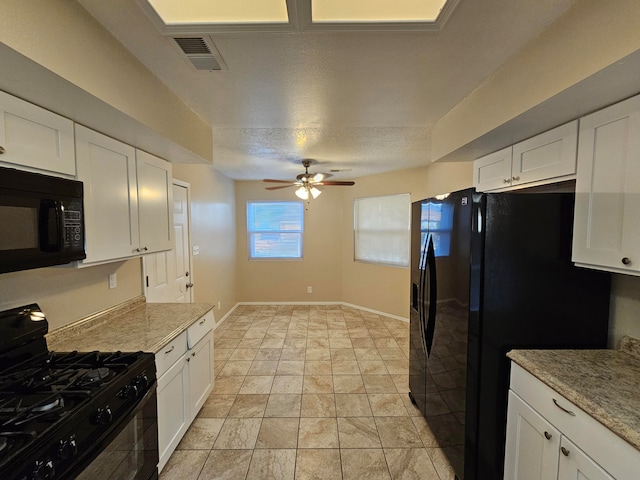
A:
{"points": [[351, 305]]}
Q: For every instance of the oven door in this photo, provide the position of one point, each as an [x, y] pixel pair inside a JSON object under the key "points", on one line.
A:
{"points": [[131, 451]]}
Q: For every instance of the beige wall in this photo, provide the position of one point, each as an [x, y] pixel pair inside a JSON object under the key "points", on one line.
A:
{"points": [[591, 36], [68, 294], [383, 288], [213, 229], [625, 308], [328, 265], [287, 281], [63, 38]]}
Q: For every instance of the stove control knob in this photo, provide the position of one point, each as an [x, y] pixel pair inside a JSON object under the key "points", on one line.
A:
{"points": [[67, 448], [104, 415], [128, 392], [44, 470], [141, 382]]}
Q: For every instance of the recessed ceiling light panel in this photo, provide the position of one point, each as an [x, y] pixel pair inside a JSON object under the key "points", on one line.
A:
{"points": [[334, 11], [220, 11]]}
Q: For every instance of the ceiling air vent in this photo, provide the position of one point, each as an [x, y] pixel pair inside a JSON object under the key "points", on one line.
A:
{"points": [[201, 53]]}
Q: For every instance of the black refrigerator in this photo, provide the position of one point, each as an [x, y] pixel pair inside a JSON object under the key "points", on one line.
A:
{"points": [[490, 273]]}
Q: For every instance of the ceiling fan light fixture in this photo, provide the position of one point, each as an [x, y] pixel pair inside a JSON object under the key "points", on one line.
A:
{"points": [[302, 193], [318, 177], [315, 193]]}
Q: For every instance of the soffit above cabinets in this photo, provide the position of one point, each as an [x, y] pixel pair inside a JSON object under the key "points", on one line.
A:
{"points": [[232, 16]]}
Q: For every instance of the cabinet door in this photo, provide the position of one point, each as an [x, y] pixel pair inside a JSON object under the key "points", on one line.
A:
{"points": [[546, 156], [532, 444], [155, 203], [108, 169], [576, 465], [607, 224], [493, 171], [200, 359], [173, 409], [35, 137]]}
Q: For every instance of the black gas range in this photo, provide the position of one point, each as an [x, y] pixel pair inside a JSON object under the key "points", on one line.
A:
{"points": [[74, 414]]}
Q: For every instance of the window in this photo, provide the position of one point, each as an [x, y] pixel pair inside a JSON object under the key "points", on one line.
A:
{"points": [[275, 229], [437, 218], [382, 226]]}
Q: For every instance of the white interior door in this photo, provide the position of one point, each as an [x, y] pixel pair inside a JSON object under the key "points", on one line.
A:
{"points": [[168, 274]]}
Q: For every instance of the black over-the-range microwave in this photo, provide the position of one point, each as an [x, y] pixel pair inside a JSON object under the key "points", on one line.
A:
{"points": [[41, 220]]}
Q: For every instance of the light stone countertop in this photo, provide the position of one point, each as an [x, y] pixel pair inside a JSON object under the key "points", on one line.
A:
{"points": [[603, 383], [130, 327]]}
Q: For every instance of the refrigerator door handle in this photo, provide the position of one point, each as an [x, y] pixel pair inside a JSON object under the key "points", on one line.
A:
{"points": [[433, 296], [421, 294]]}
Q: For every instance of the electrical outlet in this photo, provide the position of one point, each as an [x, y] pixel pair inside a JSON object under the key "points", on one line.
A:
{"points": [[196, 250], [113, 281], [309, 290]]}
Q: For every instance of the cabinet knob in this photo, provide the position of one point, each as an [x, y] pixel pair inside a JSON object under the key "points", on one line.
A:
{"points": [[189, 285], [145, 249], [547, 435], [626, 261], [136, 250], [1, 149], [506, 180], [564, 451], [515, 179]]}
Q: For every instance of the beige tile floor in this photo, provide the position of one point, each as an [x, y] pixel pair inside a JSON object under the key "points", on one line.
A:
{"points": [[309, 392]]}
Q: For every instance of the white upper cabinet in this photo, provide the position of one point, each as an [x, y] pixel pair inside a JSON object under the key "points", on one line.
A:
{"points": [[606, 231], [107, 168], [155, 203], [545, 158], [493, 171], [127, 198], [33, 137]]}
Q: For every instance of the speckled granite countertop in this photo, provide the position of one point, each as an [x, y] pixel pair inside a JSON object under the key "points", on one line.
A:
{"points": [[130, 327], [603, 383]]}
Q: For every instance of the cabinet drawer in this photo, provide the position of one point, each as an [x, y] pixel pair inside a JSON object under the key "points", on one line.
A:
{"points": [[170, 353], [199, 329], [612, 453]]}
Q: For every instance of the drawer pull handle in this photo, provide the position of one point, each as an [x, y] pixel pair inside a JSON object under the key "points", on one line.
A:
{"points": [[564, 451], [563, 409], [547, 435], [170, 350]]}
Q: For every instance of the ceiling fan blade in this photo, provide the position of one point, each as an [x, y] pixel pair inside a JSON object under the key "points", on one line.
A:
{"points": [[336, 183], [276, 181], [278, 188]]}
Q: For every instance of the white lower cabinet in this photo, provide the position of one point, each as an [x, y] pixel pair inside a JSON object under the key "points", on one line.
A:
{"points": [[549, 438], [173, 410], [185, 380]]}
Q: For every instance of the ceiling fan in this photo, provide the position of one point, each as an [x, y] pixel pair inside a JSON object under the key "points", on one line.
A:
{"points": [[307, 183]]}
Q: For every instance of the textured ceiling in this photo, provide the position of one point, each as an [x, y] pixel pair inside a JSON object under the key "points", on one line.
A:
{"points": [[362, 101]]}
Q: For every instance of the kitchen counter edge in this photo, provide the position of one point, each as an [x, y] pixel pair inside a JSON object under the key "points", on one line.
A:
{"points": [[133, 326]]}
